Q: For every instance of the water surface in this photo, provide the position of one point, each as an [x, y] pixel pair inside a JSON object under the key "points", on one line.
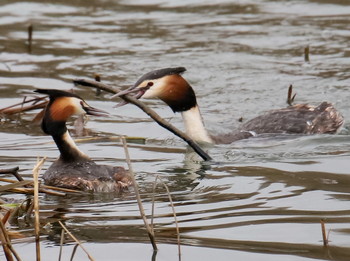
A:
{"points": [[262, 198]]}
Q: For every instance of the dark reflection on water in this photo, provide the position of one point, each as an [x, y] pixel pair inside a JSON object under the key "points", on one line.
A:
{"points": [[261, 199]]}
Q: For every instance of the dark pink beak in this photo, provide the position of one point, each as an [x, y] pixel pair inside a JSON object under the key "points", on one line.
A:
{"points": [[136, 91]]}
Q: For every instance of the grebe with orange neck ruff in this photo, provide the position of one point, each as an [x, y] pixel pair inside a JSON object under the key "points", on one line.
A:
{"points": [[169, 86], [74, 169]]}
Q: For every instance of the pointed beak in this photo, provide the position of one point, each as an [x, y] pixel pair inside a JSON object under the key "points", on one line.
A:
{"points": [[136, 91], [93, 111]]}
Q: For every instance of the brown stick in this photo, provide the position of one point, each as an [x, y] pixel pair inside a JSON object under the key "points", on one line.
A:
{"points": [[15, 185], [11, 111], [45, 189], [13, 171], [324, 234], [138, 197], [61, 245], [36, 171], [30, 37], [307, 54], [76, 240], [173, 209], [34, 100], [290, 97], [149, 112], [6, 242]]}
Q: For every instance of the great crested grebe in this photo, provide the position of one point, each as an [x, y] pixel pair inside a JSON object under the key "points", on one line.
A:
{"points": [[74, 169], [169, 86]]}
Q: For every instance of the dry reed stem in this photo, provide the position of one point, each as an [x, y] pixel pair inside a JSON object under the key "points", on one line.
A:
{"points": [[61, 245], [307, 54], [173, 209], [110, 138], [149, 112], [15, 185], [43, 188], [324, 234], [30, 37], [6, 243], [138, 197], [290, 96], [24, 109], [36, 171], [30, 191], [76, 240], [6, 216], [13, 171], [34, 100], [62, 189], [73, 252]]}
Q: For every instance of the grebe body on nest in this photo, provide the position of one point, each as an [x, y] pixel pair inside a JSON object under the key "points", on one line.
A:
{"points": [[74, 169], [169, 86]]}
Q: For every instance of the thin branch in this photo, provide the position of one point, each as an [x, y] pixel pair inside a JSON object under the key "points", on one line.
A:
{"points": [[307, 54], [30, 37], [73, 252], [4, 242], [6, 216], [149, 112], [76, 240], [290, 96], [5, 239], [10, 111], [36, 171], [13, 171], [61, 245], [324, 234], [138, 197], [50, 190], [174, 213], [34, 100], [15, 185]]}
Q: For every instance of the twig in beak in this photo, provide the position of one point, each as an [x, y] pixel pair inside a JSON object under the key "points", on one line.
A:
{"points": [[149, 112]]}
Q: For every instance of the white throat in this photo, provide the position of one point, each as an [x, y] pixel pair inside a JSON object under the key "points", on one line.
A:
{"points": [[71, 143], [194, 125]]}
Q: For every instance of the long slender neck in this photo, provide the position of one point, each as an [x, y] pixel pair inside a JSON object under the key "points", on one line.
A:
{"points": [[68, 149], [194, 125]]}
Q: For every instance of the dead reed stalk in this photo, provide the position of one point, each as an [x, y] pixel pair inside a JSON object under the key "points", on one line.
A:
{"points": [[290, 96], [61, 245], [76, 240], [30, 37], [172, 207], [36, 171], [324, 233], [307, 54], [6, 244], [138, 197], [50, 190]]}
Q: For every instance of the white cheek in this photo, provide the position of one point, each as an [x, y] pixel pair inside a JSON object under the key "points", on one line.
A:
{"points": [[155, 91], [77, 106]]}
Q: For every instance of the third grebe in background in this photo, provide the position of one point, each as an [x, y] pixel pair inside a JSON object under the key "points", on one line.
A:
{"points": [[169, 86]]}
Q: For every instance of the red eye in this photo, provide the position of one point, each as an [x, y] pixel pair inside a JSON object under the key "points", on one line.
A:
{"points": [[149, 84], [83, 105]]}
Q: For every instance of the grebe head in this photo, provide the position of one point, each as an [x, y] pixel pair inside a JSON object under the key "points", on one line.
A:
{"points": [[63, 105], [167, 85]]}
